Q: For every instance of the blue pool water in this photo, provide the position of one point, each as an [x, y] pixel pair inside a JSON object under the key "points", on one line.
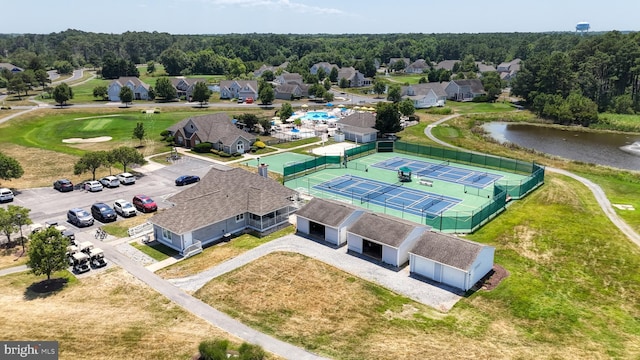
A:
{"points": [[317, 116]]}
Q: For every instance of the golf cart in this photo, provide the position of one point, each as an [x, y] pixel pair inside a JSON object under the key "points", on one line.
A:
{"points": [[71, 249], [85, 247], [70, 235], [80, 262], [97, 258]]}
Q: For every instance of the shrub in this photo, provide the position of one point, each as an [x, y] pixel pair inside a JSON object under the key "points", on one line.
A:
{"points": [[440, 111], [251, 352], [213, 349], [236, 154], [259, 144], [481, 98], [414, 117], [203, 148]]}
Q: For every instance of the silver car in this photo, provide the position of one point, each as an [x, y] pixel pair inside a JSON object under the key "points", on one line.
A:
{"points": [[124, 208]]}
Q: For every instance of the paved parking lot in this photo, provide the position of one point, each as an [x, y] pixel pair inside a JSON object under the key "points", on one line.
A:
{"points": [[47, 204]]}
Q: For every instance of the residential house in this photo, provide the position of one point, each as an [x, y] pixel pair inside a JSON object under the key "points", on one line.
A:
{"points": [[12, 68], [359, 127], [325, 66], [273, 69], [139, 88], [184, 86], [289, 78], [291, 91], [224, 202], [354, 77], [216, 129], [425, 95], [405, 61], [327, 220], [464, 90], [384, 238], [508, 70], [232, 89], [417, 67], [483, 68], [446, 64], [450, 260]]}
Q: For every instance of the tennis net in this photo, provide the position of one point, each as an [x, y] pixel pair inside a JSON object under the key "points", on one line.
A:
{"points": [[479, 177], [341, 180], [434, 168], [375, 193], [431, 203]]}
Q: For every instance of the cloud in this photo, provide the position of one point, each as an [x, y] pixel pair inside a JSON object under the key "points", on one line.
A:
{"points": [[278, 4]]}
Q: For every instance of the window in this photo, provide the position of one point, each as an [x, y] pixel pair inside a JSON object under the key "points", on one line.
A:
{"points": [[197, 141], [240, 147], [180, 139], [166, 234], [239, 217]]}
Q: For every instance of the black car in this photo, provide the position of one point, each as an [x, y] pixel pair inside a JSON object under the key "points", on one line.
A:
{"points": [[63, 185], [103, 212], [187, 179]]}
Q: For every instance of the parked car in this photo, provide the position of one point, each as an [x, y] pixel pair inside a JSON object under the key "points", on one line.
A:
{"points": [[144, 204], [79, 217], [110, 181], [63, 185], [103, 212], [187, 179], [6, 195], [93, 186], [126, 178], [124, 208], [249, 100], [240, 100]]}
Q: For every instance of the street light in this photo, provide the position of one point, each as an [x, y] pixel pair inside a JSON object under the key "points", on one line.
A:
{"points": [[19, 218]]}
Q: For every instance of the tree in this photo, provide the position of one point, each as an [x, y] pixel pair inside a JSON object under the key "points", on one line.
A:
{"points": [[138, 132], [42, 77], [406, 107], [249, 120], [236, 68], [398, 65], [285, 111], [333, 74], [62, 93], [151, 67], [100, 92], [10, 168], [343, 83], [63, 67], [379, 87], [387, 118], [492, 84], [7, 224], [174, 61], [328, 96], [126, 155], [201, 93], [267, 75], [266, 125], [17, 85], [91, 161], [18, 216], [327, 84], [394, 93], [165, 89], [321, 74], [266, 95], [47, 252], [126, 95]]}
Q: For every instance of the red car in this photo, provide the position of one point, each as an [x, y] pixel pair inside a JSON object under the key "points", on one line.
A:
{"points": [[144, 204], [249, 100]]}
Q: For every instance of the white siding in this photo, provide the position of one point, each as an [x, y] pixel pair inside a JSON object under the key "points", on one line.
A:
{"points": [[482, 265], [331, 235], [389, 255], [354, 243], [421, 266], [302, 225], [453, 277]]}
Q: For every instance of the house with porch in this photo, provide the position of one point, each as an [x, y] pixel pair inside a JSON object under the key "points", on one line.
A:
{"points": [[425, 95], [327, 220], [290, 91], [354, 77], [384, 238], [417, 67], [288, 78], [508, 70], [464, 90], [324, 66], [450, 260], [224, 202], [359, 127], [273, 69], [139, 88], [184, 86], [233, 89], [216, 129]]}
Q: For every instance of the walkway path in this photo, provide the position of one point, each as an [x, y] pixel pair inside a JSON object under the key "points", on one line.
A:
{"points": [[399, 282], [597, 191]]}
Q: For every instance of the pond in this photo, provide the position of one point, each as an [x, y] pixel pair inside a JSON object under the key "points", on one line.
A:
{"points": [[611, 149]]}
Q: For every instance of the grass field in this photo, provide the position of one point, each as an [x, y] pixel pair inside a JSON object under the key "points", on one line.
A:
{"points": [[109, 315], [572, 293], [619, 122]]}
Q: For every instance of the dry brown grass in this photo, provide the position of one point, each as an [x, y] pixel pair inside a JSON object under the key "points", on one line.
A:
{"points": [[12, 257], [110, 315], [314, 305]]}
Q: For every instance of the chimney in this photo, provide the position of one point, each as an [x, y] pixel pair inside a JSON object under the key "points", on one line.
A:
{"points": [[263, 170]]}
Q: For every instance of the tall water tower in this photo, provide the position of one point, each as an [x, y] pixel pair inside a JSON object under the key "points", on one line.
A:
{"points": [[582, 27]]}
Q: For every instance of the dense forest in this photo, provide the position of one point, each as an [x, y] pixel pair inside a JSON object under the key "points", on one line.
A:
{"points": [[603, 68]]}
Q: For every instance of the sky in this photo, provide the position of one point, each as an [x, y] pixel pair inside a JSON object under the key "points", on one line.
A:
{"points": [[320, 16]]}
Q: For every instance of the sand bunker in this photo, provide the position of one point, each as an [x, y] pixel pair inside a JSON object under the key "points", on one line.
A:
{"points": [[88, 140]]}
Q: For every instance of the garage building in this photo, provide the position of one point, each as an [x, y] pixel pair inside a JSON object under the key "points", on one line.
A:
{"points": [[450, 260], [327, 220]]}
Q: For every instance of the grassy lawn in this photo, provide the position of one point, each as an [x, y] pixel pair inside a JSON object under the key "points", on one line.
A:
{"points": [[471, 107], [572, 293], [119, 228], [156, 250], [291, 144], [12, 256], [620, 122], [107, 315], [216, 254]]}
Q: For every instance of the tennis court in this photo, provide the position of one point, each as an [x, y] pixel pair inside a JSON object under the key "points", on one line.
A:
{"points": [[442, 171], [277, 162], [394, 196]]}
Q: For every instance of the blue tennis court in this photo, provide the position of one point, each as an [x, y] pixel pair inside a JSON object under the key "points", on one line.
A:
{"points": [[443, 171], [394, 196]]}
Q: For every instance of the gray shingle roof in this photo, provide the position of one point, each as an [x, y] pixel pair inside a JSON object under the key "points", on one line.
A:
{"points": [[423, 89], [213, 128], [446, 64], [474, 84], [361, 122], [222, 194], [383, 229], [123, 80], [447, 249], [326, 212]]}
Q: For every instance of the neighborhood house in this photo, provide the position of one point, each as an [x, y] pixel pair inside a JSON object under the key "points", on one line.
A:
{"points": [[140, 89], [216, 129], [359, 127], [238, 89]]}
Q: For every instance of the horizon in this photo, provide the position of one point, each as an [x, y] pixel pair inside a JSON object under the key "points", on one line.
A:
{"points": [[331, 17]]}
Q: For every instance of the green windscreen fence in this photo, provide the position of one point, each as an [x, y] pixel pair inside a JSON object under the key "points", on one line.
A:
{"points": [[360, 151], [302, 168]]}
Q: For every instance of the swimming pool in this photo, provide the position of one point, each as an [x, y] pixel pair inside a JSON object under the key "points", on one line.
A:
{"points": [[317, 116]]}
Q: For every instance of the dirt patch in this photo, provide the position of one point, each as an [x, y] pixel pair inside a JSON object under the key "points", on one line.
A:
{"points": [[86, 140], [494, 278]]}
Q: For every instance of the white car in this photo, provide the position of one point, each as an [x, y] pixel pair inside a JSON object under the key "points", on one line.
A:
{"points": [[126, 178], [6, 195], [110, 181], [124, 208], [93, 186]]}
